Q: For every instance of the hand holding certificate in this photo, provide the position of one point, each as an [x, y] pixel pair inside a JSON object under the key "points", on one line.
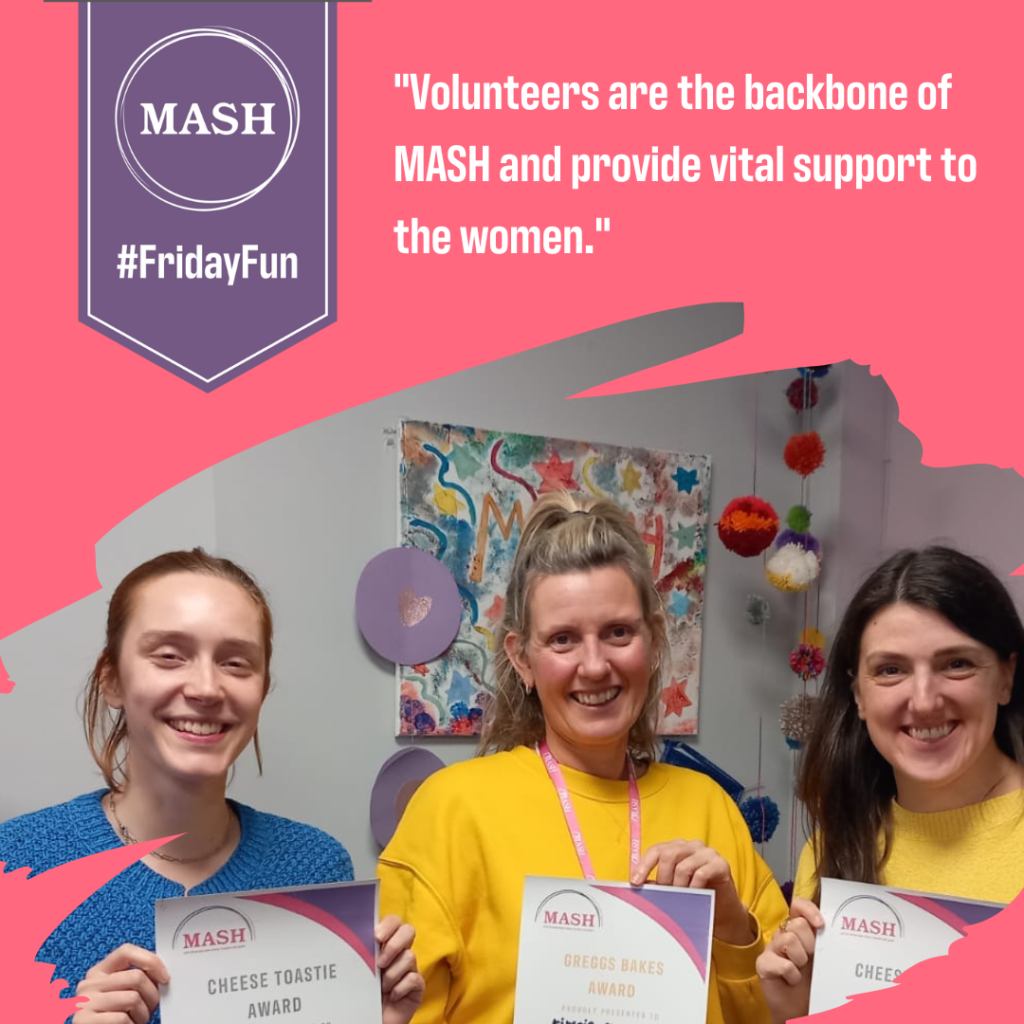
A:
{"points": [[306, 955], [608, 952], [873, 933]]}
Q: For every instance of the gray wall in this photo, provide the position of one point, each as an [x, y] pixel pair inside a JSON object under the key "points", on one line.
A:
{"points": [[305, 512]]}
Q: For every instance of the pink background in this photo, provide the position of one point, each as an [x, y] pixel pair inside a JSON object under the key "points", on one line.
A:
{"points": [[915, 279]]}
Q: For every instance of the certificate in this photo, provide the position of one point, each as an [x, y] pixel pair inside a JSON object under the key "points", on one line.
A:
{"points": [[609, 953], [305, 955], [873, 933]]}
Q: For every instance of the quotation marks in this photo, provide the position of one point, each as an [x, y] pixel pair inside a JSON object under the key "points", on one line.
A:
{"points": [[603, 224]]}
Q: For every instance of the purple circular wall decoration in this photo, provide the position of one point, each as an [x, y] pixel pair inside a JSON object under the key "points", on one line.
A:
{"points": [[399, 777], [407, 606]]}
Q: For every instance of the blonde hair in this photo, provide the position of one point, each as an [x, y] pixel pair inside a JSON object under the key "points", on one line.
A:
{"points": [[107, 732], [568, 534]]}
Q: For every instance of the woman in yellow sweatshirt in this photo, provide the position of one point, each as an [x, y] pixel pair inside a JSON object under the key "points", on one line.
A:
{"points": [[577, 664], [914, 775]]}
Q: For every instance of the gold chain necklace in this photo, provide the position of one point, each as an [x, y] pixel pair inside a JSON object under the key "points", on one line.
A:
{"points": [[129, 840]]}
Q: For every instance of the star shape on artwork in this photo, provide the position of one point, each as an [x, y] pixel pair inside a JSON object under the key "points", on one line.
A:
{"points": [[685, 479], [630, 478], [447, 501], [466, 463], [496, 610], [675, 697], [679, 603], [461, 689], [556, 475], [685, 536]]}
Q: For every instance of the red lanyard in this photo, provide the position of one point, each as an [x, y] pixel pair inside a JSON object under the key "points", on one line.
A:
{"points": [[572, 821]]}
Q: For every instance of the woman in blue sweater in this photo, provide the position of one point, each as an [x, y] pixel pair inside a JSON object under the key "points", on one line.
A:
{"points": [[173, 701]]}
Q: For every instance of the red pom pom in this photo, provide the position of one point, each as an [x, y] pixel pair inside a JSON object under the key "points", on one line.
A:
{"points": [[748, 525], [804, 453], [795, 394]]}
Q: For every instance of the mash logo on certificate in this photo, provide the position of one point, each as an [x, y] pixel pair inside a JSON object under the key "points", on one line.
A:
{"points": [[874, 933], [597, 952], [306, 955]]}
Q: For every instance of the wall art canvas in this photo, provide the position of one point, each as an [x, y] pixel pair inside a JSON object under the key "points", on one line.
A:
{"points": [[463, 495]]}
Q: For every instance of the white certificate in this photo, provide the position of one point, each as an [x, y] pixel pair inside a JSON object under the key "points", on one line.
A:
{"points": [[609, 953], [873, 933], [306, 955]]}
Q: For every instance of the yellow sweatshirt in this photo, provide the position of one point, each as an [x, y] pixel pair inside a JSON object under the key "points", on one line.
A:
{"points": [[974, 852], [474, 831]]}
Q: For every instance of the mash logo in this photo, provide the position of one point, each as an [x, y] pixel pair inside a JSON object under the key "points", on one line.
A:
{"points": [[569, 909], [207, 180], [213, 928], [225, 174], [869, 916]]}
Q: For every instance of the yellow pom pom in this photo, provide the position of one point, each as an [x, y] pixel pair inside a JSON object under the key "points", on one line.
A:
{"points": [[813, 638]]}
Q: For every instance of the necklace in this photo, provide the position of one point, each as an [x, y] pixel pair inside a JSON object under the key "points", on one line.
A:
{"points": [[129, 840]]}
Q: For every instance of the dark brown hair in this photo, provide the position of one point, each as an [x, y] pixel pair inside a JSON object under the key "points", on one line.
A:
{"points": [[845, 784], [567, 534], [106, 731]]}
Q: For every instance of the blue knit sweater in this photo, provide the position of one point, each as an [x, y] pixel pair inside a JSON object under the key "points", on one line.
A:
{"points": [[272, 852]]}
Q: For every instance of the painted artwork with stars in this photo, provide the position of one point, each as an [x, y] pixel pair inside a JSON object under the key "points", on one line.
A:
{"points": [[463, 496]]}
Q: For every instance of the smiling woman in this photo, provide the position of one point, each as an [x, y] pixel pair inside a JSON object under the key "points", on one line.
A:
{"points": [[577, 663], [173, 701], [914, 773]]}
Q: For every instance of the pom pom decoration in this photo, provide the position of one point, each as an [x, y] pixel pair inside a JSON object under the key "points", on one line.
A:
{"points": [[815, 371], [807, 661], [803, 540], [804, 453], [797, 719], [748, 525], [761, 813], [798, 519], [759, 611], [797, 391], [813, 637], [792, 568]]}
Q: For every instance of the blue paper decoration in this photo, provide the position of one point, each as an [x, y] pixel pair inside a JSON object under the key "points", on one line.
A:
{"points": [[678, 753]]}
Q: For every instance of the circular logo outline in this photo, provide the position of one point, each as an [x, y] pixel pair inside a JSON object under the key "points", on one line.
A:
{"points": [[270, 58]]}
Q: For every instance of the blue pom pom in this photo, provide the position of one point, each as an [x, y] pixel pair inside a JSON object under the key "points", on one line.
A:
{"points": [[793, 744], [762, 817]]}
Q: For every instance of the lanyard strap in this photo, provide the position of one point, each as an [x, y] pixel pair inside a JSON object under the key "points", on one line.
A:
{"points": [[572, 821]]}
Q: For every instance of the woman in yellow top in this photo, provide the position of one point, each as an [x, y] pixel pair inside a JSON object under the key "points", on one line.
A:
{"points": [[577, 665], [913, 776]]}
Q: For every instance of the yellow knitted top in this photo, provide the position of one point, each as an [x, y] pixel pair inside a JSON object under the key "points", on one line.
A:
{"points": [[473, 832], [975, 852]]}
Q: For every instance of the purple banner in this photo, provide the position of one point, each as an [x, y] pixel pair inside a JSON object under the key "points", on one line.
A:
{"points": [[207, 213]]}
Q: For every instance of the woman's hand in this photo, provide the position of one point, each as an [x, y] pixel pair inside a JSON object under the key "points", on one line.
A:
{"points": [[694, 865], [122, 988], [785, 966], [401, 985]]}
